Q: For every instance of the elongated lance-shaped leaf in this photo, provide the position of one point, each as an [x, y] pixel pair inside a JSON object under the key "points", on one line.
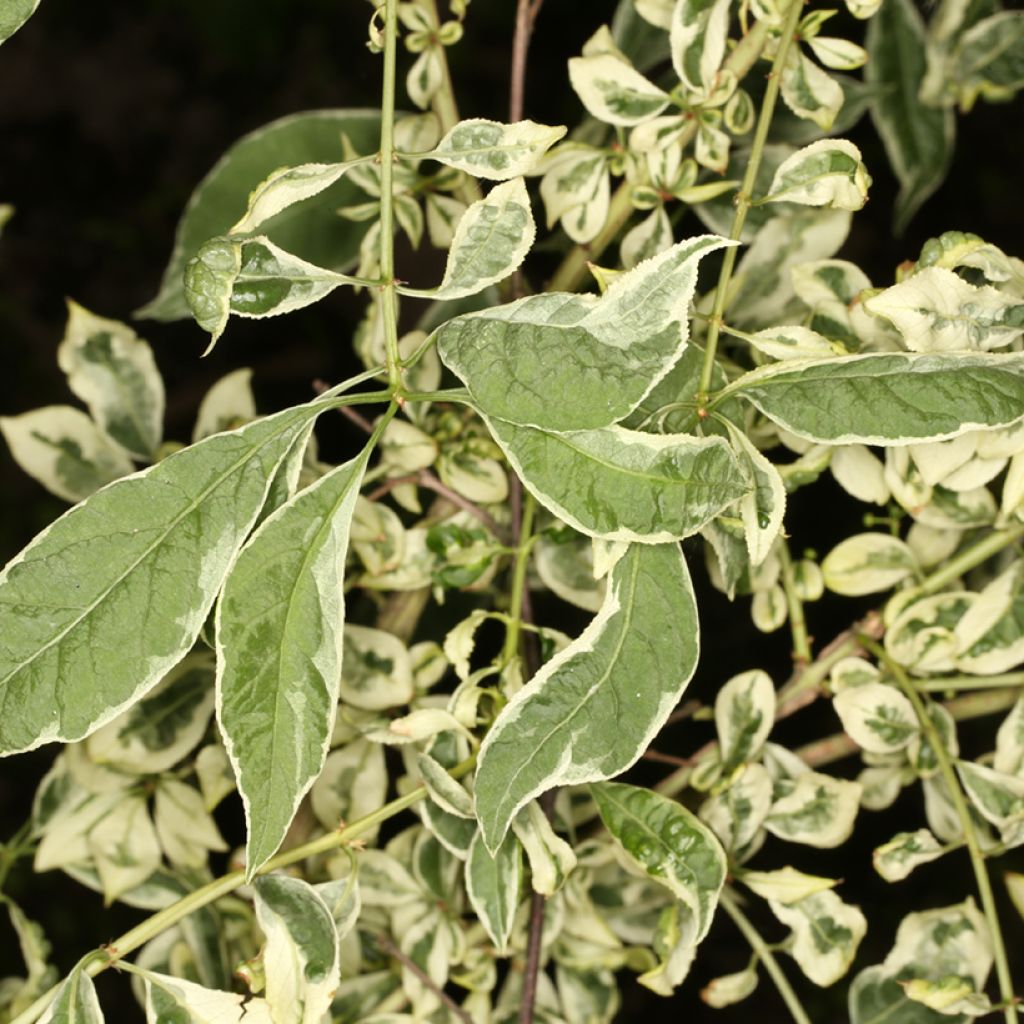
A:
{"points": [[492, 884], [13, 15], [301, 954], [591, 711], [75, 1003], [309, 229], [563, 362], [254, 278], [279, 650], [668, 842], [622, 484], [491, 240], [918, 138], [889, 398], [285, 187], [113, 594]]}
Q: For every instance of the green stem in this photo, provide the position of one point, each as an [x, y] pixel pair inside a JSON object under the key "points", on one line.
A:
{"points": [[389, 307], [16, 847], [519, 580], [446, 110], [797, 621], [988, 902], [968, 559], [573, 270], [744, 196], [943, 683], [138, 936], [761, 948]]}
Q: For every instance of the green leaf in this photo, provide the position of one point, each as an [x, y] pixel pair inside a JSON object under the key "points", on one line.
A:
{"points": [[918, 138], [621, 484], [786, 885], [14, 14], [763, 506], [936, 310], [64, 450], [829, 173], [310, 230], [492, 884], [592, 709], [878, 718], [867, 563], [491, 240], [809, 92], [551, 858], [279, 653], [613, 91], [998, 796], [729, 989], [744, 716], [895, 859], [566, 362], [766, 275], [124, 847], [489, 149], [988, 59], [75, 1002], [170, 999], [931, 945], [254, 278], [737, 812], [112, 370], [818, 810], [285, 187], [698, 35], [826, 934], [156, 733], [889, 398], [142, 562], [576, 190], [301, 953], [877, 998], [668, 843]]}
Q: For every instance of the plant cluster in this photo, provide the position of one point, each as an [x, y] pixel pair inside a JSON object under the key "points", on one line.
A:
{"points": [[437, 828]]}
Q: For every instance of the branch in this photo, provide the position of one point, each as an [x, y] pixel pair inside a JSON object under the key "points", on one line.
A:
{"points": [[526, 16], [974, 850], [414, 968], [429, 481]]}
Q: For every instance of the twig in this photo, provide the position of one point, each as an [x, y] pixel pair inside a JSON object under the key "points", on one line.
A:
{"points": [[526, 16], [414, 968], [320, 386], [959, 801], [131, 940], [797, 621], [688, 710], [650, 754], [535, 936], [429, 481], [760, 947]]}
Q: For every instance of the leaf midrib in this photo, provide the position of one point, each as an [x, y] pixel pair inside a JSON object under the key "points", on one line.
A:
{"points": [[105, 594]]}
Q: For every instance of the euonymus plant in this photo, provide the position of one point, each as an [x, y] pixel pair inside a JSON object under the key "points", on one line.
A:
{"points": [[440, 819]]}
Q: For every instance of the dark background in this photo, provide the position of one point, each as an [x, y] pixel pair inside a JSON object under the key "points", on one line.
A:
{"points": [[110, 113]]}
